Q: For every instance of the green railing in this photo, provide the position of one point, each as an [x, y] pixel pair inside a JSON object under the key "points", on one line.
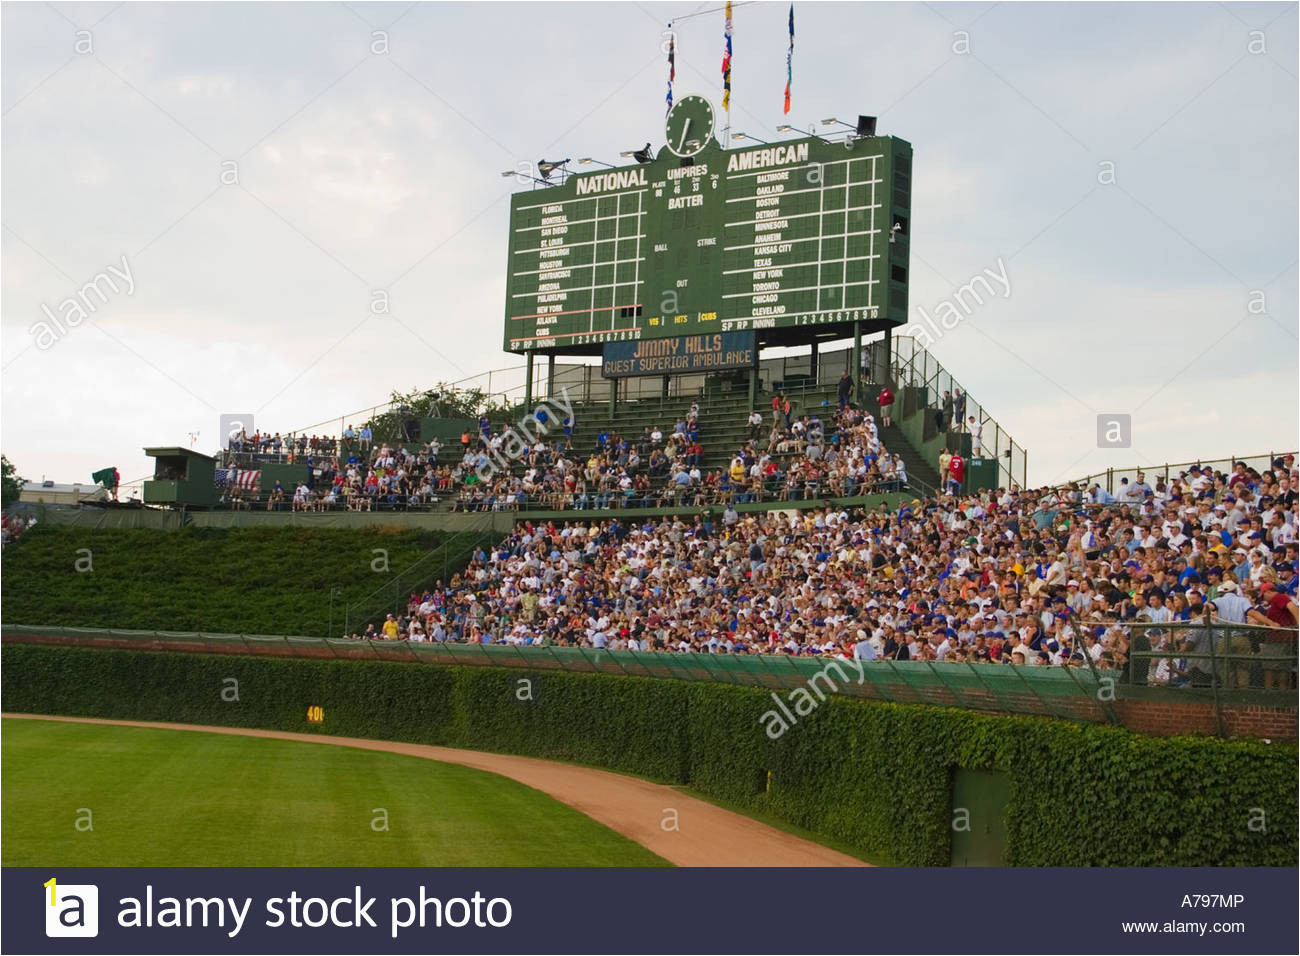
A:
{"points": [[1234, 664], [911, 366], [1110, 478], [1081, 693]]}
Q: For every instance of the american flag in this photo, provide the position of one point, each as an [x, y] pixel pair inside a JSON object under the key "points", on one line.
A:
{"points": [[237, 478]]}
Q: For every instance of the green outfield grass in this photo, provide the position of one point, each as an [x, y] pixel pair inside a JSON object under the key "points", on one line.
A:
{"points": [[183, 798]]}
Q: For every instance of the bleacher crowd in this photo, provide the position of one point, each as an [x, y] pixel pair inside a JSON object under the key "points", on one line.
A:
{"points": [[794, 458], [1053, 577]]}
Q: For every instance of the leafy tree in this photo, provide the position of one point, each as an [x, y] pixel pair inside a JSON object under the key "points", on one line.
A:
{"points": [[12, 482], [452, 402]]}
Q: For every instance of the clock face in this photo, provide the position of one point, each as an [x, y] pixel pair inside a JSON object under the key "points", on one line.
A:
{"points": [[690, 125]]}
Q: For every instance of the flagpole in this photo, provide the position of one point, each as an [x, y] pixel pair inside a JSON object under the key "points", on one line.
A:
{"points": [[789, 64], [672, 64], [726, 74]]}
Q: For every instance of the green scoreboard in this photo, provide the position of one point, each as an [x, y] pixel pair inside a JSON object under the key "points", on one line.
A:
{"points": [[794, 240]]}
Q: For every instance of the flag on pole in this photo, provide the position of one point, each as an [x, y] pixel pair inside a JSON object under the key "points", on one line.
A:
{"points": [[789, 57], [672, 64], [726, 64]]}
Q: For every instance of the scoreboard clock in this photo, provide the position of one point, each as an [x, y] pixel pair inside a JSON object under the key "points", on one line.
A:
{"points": [[689, 127], [790, 240]]}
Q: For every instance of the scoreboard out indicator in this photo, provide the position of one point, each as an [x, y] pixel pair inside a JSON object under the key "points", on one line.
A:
{"points": [[792, 234]]}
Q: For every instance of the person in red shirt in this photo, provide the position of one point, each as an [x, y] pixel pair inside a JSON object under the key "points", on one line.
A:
{"points": [[886, 401], [1279, 647], [956, 470]]}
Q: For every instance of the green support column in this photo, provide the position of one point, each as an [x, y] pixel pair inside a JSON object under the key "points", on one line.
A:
{"points": [[665, 391], [815, 376], [856, 371], [888, 362], [528, 380], [550, 375], [753, 387], [613, 397]]}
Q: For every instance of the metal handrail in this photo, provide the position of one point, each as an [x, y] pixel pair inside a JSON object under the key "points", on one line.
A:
{"points": [[1109, 477], [929, 376]]}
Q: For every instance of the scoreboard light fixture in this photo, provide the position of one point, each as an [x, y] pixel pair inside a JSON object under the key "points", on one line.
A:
{"points": [[787, 128], [587, 161], [545, 168], [865, 129], [516, 173], [643, 155], [747, 136]]}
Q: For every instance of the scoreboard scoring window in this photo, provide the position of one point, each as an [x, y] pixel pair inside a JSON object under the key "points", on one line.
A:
{"points": [[799, 233]]}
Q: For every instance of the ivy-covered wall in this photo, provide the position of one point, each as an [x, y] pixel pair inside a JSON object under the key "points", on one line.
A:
{"points": [[876, 776], [260, 580]]}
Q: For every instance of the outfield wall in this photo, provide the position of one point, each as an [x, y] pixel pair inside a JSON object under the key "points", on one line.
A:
{"points": [[877, 776], [1070, 693]]}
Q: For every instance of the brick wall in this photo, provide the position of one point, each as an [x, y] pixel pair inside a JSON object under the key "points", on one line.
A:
{"points": [[1168, 718]]}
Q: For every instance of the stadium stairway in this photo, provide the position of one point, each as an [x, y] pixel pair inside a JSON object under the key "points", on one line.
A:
{"points": [[724, 419], [724, 424], [925, 472]]}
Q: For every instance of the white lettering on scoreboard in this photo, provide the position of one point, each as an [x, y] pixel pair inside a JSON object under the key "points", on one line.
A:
{"points": [[604, 182], [760, 158]]}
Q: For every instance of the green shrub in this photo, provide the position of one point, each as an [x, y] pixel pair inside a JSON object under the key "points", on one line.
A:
{"points": [[875, 776]]}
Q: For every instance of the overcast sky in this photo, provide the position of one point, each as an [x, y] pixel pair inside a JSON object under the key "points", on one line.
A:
{"points": [[1169, 293]]}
